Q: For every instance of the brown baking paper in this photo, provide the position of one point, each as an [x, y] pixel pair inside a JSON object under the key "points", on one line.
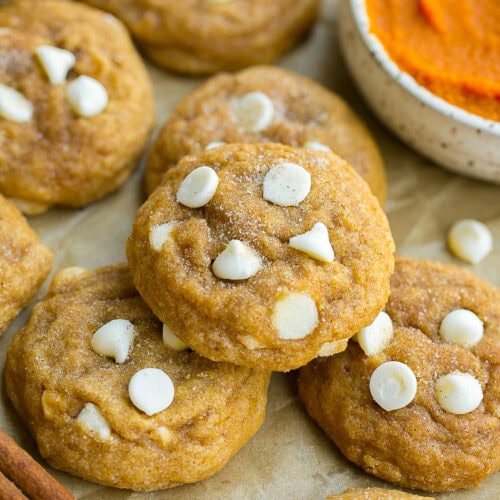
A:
{"points": [[289, 457]]}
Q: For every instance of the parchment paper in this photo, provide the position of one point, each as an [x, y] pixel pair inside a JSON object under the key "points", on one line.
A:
{"points": [[289, 457]]}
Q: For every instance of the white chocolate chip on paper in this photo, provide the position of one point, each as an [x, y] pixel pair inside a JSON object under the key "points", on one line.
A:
{"points": [[87, 96], [198, 187], [114, 339], [286, 184], [91, 418], [458, 393], [317, 146], [214, 144], [470, 240], [315, 243], [237, 262], [56, 62], [172, 341], [374, 338], [393, 385], [161, 233], [14, 106], [253, 112], [295, 316], [151, 390], [462, 327]]}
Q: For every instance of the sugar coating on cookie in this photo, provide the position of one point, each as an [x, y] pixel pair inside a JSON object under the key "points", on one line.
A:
{"points": [[70, 80], [441, 391], [265, 104], [272, 264], [24, 263], [160, 418], [209, 36]]}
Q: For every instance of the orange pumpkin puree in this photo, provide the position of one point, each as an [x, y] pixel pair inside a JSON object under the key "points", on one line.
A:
{"points": [[451, 47]]}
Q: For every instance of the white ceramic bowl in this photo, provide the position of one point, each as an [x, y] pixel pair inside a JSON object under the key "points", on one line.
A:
{"points": [[458, 140]]}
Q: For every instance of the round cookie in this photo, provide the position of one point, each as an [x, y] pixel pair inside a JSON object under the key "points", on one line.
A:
{"points": [[24, 263], [82, 114], [248, 279], [373, 494], [78, 405], [293, 110], [445, 433], [206, 36]]}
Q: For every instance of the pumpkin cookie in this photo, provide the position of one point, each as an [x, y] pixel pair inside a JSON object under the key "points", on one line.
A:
{"points": [[415, 401], [374, 494], [76, 104], [108, 400], [266, 104], [206, 36], [262, 254], [24, 263]]}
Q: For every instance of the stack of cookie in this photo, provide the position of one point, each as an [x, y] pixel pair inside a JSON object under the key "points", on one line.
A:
{"points": [[262, 247]]}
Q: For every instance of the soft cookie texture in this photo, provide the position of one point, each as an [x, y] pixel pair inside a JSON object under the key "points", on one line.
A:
{"points": [[427, 444], [275, 306], [24, 263], [91, 102], [206, 36], [266, 104], [374, 494], [78, 403]]}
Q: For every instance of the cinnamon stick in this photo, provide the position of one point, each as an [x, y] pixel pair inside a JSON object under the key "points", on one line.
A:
{"points": [[34, 481], [9, 491]]}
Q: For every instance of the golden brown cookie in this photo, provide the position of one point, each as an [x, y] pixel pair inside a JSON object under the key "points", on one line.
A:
{"points": [[111, 419], [287, 255], [73, 122], [24, 263], [266, 104], [438, 379], [373, 494], [206, 36]]}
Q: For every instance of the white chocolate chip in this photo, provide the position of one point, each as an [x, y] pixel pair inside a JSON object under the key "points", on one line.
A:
{"points": [[458, 393], [114, 339], [295, 316], [374, 338], [93, 420], [163, 435], [214, 144], [158, 235], [253, 112], [87, 96], [151, 390], [393, 385], [287, 184], [250, 342], [331, 348], [317, 146], [470, 240], [170, 340], [29, 207], [56, 62], [14, 106], [237, 262], [315, 243], [461, 327], [198, 187]]}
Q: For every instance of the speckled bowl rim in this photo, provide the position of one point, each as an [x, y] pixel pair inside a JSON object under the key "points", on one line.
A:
{"points": [[360, 14]]}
